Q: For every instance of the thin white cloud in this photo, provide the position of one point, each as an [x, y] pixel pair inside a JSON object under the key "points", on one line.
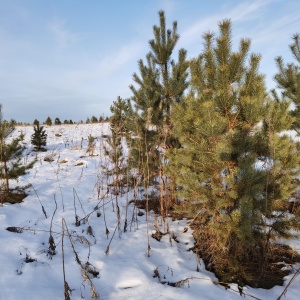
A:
{"points": [[277, 30], [248, 10], [242, 12], [63, 36], [127, 53]]}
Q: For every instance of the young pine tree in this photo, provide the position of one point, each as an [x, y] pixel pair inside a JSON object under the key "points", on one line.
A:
{"points": [[56, 121], [114, 150], [94, 119], [233, 169], [161, 83], [282, 160], [48, 121], [39, 138], [288, 79], [10, 156]]}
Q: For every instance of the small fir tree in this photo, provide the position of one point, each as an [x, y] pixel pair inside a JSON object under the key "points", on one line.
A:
{"points": [[57, 121], [35, 122], [94, 119], [39, 138], [48, 121]]}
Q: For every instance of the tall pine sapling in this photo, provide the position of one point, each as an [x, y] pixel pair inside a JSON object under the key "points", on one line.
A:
{"points": [[160, 85], [39, 138], [114, 147]]}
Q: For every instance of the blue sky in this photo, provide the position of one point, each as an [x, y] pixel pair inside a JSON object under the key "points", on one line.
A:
{"points": [[72, 58]]}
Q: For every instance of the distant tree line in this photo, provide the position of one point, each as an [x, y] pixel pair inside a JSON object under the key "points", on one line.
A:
{"points": [[57, 121]]}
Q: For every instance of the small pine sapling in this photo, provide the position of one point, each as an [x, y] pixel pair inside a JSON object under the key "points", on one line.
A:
{"points": [[11, 166], [39, 138], [48, 121]]}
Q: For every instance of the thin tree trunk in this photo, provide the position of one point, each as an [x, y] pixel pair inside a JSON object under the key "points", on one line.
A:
{"points": [[6, 177]]}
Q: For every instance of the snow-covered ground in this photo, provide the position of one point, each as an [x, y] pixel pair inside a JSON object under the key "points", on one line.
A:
{"points": [[76, 180]]}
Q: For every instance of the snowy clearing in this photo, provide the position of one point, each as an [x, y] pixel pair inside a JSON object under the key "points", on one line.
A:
{"points": [[77, 181]]}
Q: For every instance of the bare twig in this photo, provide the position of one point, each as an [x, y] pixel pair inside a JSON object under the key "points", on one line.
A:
{"points": [[288, 285], [62, 197], [95, 208], [94, 294], [43, 209], [117, 226], [67, 289]]}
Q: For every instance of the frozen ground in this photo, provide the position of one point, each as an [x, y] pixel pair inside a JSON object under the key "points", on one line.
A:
{"points": [[76, 180]]}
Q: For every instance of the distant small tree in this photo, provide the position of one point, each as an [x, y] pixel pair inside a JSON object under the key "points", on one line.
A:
{"points": [[57, 121], [88, 120], [94, 119], [66, 122], [39, 138], [101, 119], [71, 122], [35, 122], [48, 121]]}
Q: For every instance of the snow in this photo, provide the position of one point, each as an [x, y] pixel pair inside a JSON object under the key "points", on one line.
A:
{"points": [[126, 271]]}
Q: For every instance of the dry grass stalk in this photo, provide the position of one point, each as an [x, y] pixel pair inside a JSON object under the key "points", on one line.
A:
{"points": [[67, 290], [61, 193], [85, 275]]}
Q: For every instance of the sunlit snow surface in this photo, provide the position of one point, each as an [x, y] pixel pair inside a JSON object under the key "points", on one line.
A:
{"points": [[126, 271]]}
